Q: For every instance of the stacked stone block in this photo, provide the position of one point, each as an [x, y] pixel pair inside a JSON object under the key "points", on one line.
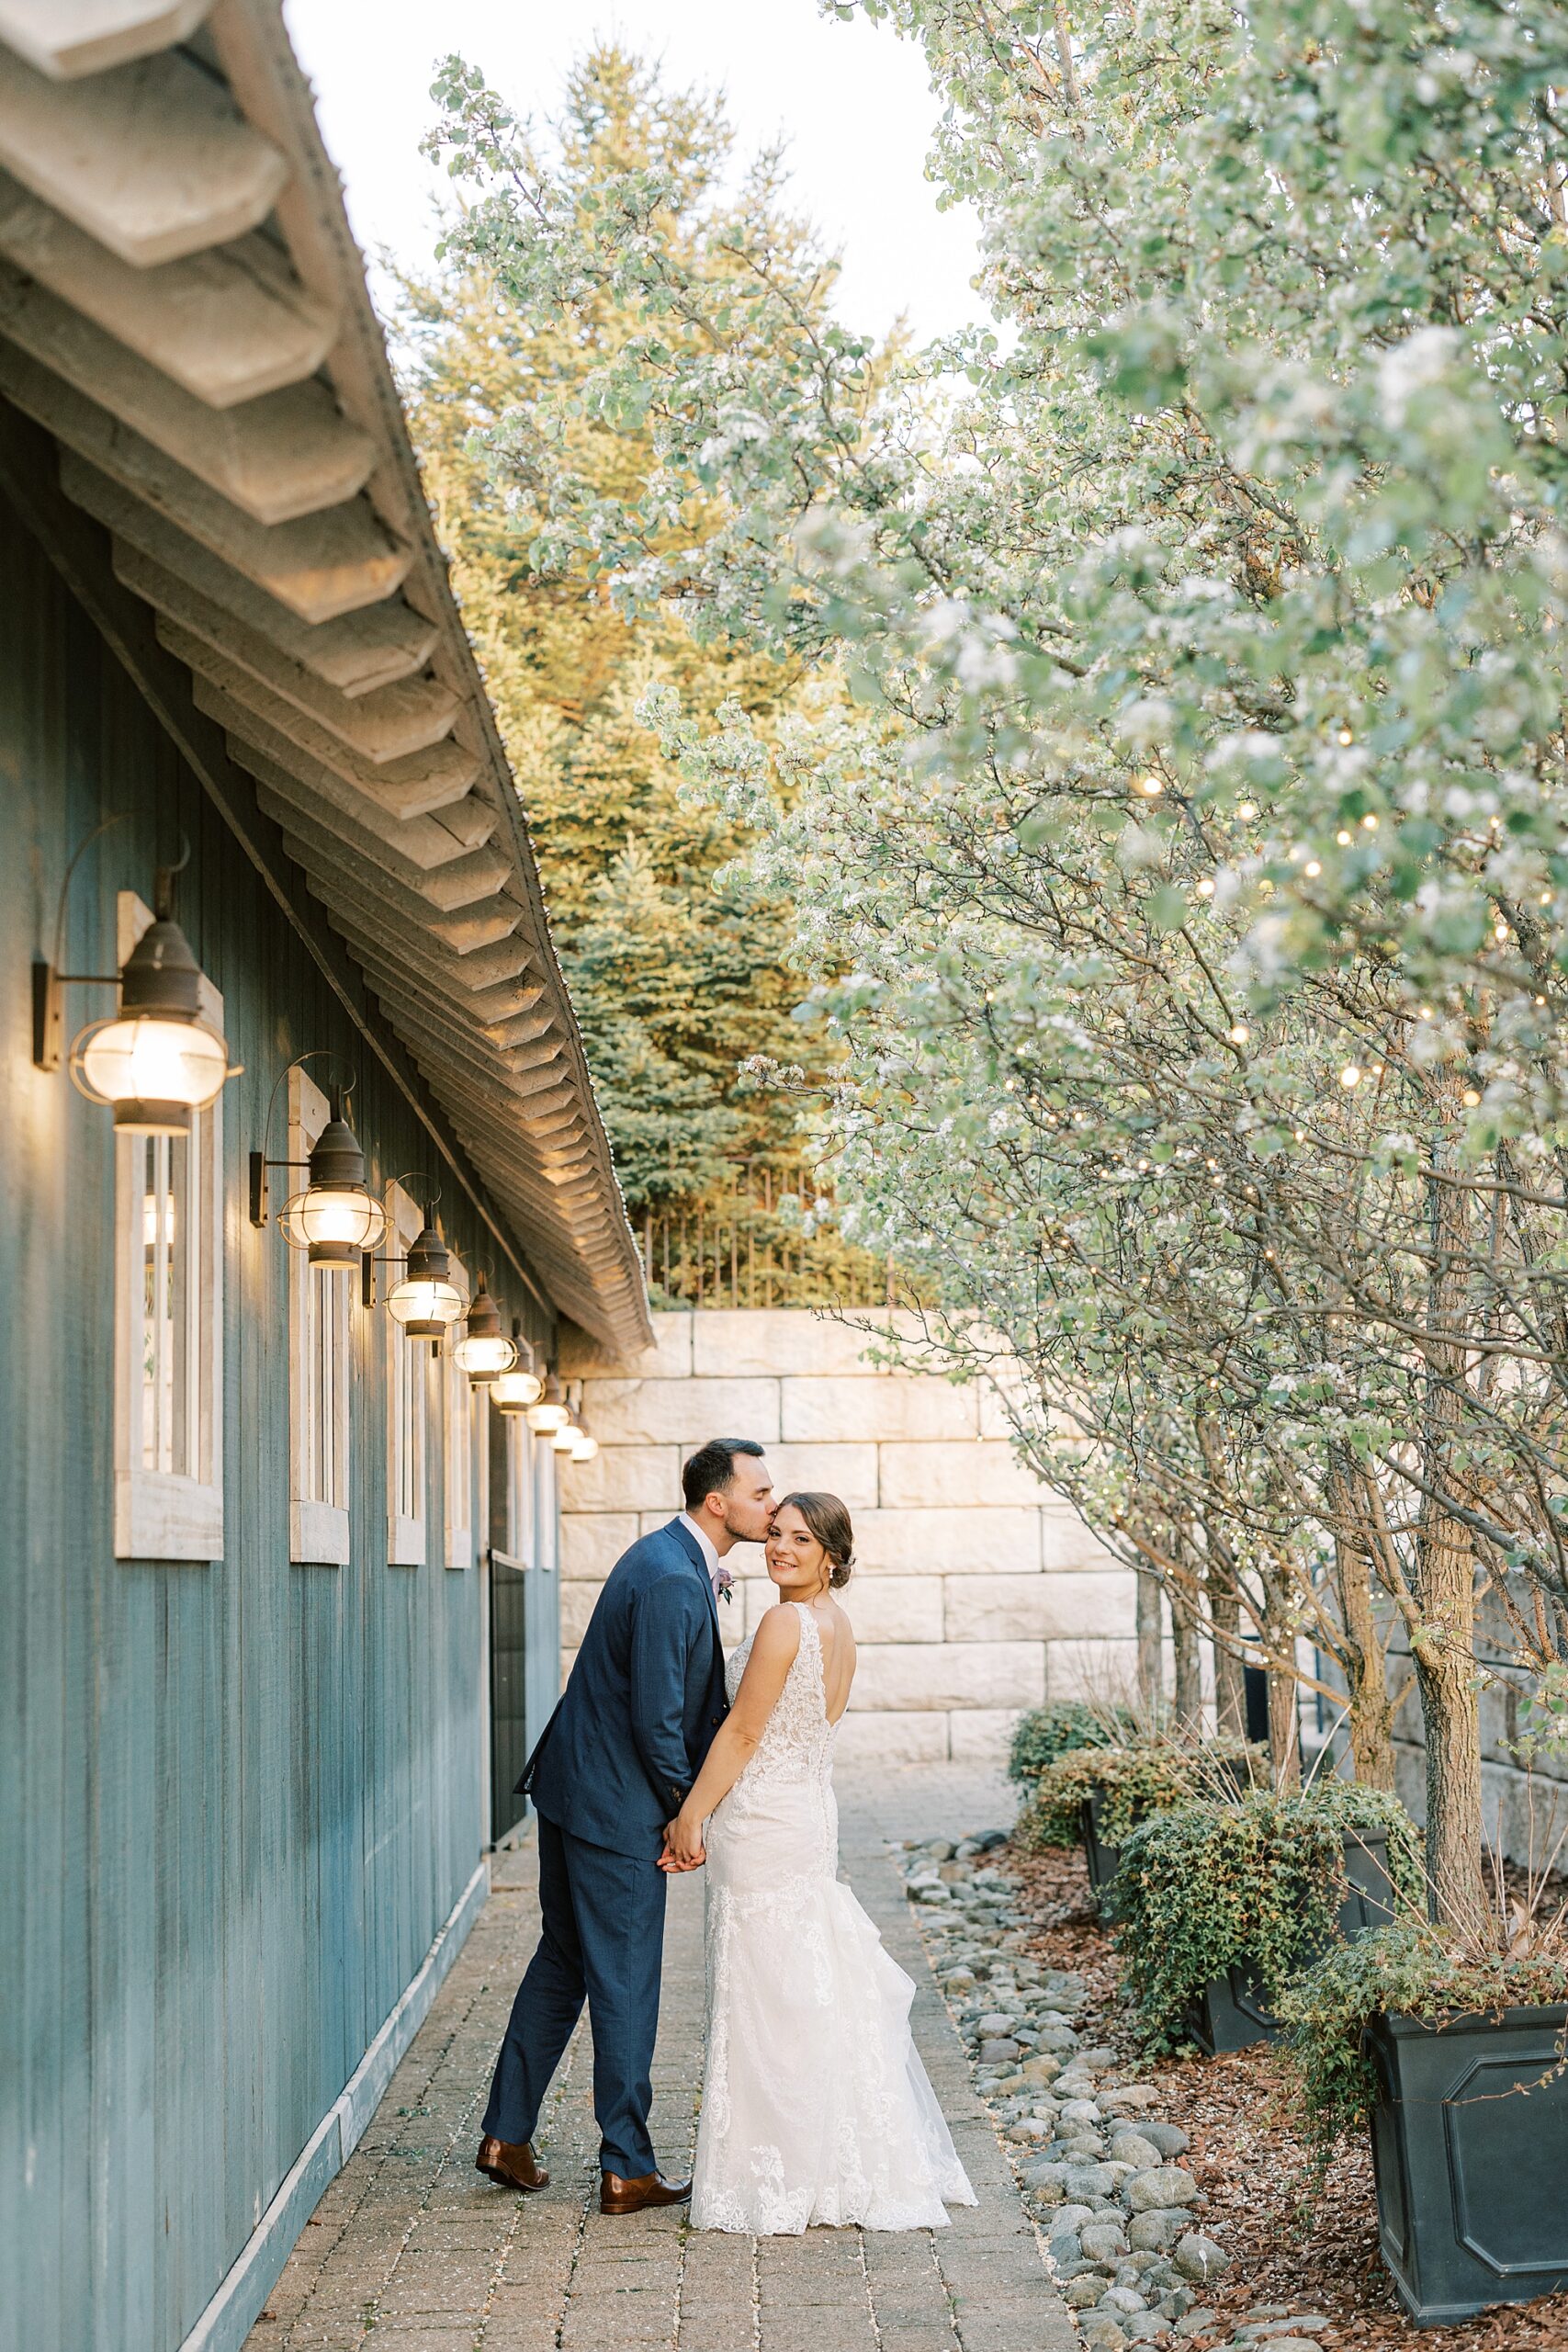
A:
{"points": [[976, 1592]]}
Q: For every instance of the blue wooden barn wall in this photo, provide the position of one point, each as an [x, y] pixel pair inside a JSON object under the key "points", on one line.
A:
{"points": [[239, 1799]]}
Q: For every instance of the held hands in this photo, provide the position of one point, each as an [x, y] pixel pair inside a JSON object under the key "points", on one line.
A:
{"points": [[683, 1848]]}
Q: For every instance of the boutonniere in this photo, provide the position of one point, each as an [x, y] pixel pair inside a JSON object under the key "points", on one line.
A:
{"points": [[723, 1583]]}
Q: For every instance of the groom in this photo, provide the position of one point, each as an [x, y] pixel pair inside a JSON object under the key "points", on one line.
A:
{"points": [[613, 1765]]}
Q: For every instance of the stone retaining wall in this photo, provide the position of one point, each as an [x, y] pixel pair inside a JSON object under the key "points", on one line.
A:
{"points": [[976, 1591]]}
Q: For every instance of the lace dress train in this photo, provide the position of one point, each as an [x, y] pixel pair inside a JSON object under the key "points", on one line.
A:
{"points": [[816, 2107]]}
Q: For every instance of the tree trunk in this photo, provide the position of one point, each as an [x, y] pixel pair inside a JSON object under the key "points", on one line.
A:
{"points": [[1444, 1644], [1370, 1717], [1148, 1631], [1230, 1677], [1188, 1662], [1284, 1729]]}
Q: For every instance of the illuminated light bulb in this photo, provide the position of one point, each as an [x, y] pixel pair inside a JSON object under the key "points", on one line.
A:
{"points": [[336, 1218], [155, 1060], [515, 1391], [1345, 736], [1369, 823], [1205, 888], [484, 1351], [565, 1438], [427, 1301], [1500, 931], [583, 1447], [1239, 1034], [1150, 787], [1343, 838], [1349, 1075], [1246, 810], [552, 1413], [1470, 1098], [1311, 869], [1424, 1013], [1300, 1134]]}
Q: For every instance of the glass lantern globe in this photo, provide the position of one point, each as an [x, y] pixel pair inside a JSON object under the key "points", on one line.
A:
{"points": [[426, 1301], [552, 1413], [564, 1439], [484, 1351], [155, 1060], [583, 1447], [515, 1391], [336, 1218]]}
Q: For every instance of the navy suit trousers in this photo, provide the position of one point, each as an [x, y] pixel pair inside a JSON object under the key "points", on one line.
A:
{"points": [[602, 1940]]}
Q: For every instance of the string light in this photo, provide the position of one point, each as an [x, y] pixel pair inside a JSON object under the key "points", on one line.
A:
{"points": [[1345, 736], [1313, 869], [1470, 1098], [1246, 810], [1150, 787], [1343, 838], [1205, 888], [1349, 1075], [1369, 823], [1239, 1034]]}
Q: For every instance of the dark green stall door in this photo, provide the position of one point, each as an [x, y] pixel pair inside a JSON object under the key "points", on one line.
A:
{"points": [[525, 1654]]}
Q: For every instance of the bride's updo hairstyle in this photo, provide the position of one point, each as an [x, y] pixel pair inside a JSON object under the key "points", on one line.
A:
{"points": [[829, 1524]]}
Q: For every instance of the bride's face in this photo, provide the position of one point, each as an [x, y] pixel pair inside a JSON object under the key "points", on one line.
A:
{"points": [[796, 1562]]}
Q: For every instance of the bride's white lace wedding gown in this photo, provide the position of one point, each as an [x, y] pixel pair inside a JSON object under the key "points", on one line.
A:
{"points": [[816, 2107]]}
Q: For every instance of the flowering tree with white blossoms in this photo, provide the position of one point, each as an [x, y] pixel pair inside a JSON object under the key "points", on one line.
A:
{"points": [[1206, 810]]}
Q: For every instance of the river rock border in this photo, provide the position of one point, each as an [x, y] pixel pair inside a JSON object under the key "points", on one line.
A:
{"points": [[1100, 2174]]}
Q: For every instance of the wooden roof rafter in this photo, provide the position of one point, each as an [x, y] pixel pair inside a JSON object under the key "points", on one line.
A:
{"points": [[184, 312]]}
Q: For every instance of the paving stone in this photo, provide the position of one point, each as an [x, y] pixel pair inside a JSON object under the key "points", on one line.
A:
{"points": [[408, 2238]]}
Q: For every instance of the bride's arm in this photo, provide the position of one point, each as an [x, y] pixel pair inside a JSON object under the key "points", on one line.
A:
{"points": [[774, 1648]]}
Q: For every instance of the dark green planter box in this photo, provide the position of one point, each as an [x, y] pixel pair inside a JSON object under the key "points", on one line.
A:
{"points": [[1104, 1860], [1231, 2014], [1472, 2185]]}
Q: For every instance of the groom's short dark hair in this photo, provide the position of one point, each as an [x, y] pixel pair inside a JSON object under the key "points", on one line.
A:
{"points": [[711, 1470]]}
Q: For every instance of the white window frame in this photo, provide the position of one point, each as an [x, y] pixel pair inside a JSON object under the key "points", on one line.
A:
{"points": [[319, 1334], [459, 1445], [408, 1399], [159, 1514], [521, 1498], [546, 1506]]}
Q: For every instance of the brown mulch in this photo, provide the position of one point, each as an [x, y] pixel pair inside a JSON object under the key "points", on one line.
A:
{"points": [[1251, 2163]]}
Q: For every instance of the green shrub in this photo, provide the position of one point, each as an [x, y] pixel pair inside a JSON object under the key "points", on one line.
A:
{"points": [[1144, 1777], [1410, 1969], [1043, 1733], [1212, 1886]]}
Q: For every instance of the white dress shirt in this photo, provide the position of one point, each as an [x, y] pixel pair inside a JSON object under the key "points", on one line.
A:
{"points": [[710, 1549]]}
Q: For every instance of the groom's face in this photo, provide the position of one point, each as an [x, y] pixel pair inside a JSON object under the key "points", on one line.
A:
{"points": [[749, 1500]]}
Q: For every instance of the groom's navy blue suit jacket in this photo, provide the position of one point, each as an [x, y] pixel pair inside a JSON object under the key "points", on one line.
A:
{"points": [[642, 1703]]}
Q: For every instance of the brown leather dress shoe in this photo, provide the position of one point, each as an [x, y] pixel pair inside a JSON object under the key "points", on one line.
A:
{"points": [[618, 2196], [511, 2166]]}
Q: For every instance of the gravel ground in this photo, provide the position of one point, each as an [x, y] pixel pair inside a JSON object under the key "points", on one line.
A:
{"points": [[1249, 2162]]}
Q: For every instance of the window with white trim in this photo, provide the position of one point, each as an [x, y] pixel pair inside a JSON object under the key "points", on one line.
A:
{"points": [[320, 1359], [520, 1448], [457, 1479], [407, 1399], [168, 1407]]}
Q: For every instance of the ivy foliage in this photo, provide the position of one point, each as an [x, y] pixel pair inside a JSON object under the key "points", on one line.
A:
{"points": [[1255, 1885], [1144, 1777], [1042, 1733], [1410, 1969]]}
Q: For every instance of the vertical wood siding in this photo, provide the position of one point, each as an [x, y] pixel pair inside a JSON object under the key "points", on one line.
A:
{"points": [[239, 1799]]}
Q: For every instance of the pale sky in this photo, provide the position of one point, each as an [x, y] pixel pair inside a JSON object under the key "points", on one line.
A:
{"points": [[852, 100]]}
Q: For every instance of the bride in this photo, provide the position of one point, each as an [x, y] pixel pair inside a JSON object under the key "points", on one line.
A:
{"points": [[816, 2107]]}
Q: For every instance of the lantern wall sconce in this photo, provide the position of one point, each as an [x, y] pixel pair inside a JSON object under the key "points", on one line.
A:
{"points": [[583, 1447], [552, 1411], [425, 1299], [484, 1351], [336, 1220], [158, 1058], [515, 1390]]}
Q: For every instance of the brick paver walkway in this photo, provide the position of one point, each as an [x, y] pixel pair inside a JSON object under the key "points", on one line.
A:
{"points": [[411, 2251]]}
